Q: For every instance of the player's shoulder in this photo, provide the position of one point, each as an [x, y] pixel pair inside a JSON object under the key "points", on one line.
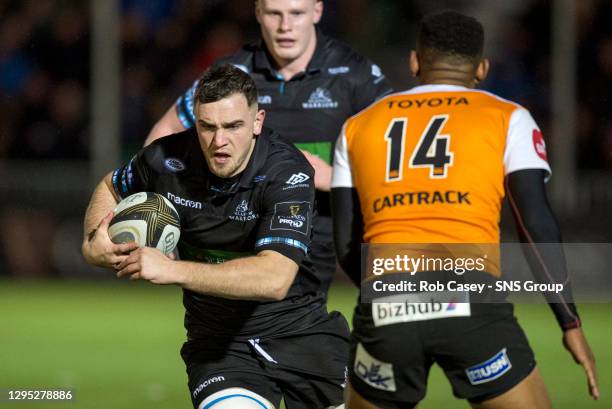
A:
{"points": [[243, 58], [282, 156], [175, 142], [340, 56], [510, 111], [373, 109], [172, 152], [337, 51], [494, 99]]}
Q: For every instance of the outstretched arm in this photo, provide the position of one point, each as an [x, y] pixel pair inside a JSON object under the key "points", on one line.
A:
{"points": [[536, 224]]}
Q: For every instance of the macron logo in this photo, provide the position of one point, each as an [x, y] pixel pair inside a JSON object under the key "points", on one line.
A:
{"points": [[184, 202], [207, 382], [297, 178]]}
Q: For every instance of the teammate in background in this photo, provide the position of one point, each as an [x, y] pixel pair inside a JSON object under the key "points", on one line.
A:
{"points": [[445, 137], [309, 84], [257, 324]]}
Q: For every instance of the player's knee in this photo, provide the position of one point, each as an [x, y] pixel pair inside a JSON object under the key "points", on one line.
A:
{"points": [[235, 398]]}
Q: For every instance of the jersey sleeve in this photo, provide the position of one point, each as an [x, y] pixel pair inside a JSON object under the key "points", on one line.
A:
{"points": [[525, 146], [341, 174], [370, 84], [184, 106], [133, 177], [286, 221]]}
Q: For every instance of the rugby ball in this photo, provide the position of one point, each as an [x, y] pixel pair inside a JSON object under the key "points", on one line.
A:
{"points": [[148, 219]]}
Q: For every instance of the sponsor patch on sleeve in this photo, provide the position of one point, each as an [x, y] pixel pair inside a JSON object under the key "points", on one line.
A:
{"points": [[539, 144], [293, 216], [490, 369]]}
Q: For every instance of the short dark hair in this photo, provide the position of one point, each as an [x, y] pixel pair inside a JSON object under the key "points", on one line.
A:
{"points": [[453, 35], [220, 82]]}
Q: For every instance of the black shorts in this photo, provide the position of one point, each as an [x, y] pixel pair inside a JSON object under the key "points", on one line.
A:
{"points": [[482, 355], [306, 368]]}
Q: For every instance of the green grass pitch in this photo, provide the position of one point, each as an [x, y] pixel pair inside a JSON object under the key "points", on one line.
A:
{"points": [[116, 346]]}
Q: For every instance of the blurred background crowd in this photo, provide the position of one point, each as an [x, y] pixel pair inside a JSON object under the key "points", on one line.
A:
{"points": [[45, 92]]}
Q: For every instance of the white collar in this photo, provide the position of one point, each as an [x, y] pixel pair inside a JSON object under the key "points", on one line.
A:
{"points": [[436, 88]]}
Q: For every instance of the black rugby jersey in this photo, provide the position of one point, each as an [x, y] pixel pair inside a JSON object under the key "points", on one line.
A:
{"points": [[267, 207], [309, 109]]}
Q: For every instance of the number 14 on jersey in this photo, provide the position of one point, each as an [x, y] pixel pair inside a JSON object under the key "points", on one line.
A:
{"points": [[432, 149]]}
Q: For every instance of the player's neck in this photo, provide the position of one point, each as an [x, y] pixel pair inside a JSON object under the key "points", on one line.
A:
{"points": [[289, 68], [444, 74], [442, 80]]}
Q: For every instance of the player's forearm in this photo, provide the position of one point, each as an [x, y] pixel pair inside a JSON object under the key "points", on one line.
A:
{"points": [[323, 175], [97, 248], [258, 277], [323, 171], [323, 183], [101, 203], [538, 229]]}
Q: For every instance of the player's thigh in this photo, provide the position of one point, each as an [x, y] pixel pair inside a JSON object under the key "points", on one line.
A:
{"points": [[312, 365], [353, 400], [234, 389], [529, 393], [306, 391], [211, 371], [484, 355], [388, 365]]}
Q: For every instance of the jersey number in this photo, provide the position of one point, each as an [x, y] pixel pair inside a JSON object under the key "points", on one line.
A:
{"points": [[432, 150]]}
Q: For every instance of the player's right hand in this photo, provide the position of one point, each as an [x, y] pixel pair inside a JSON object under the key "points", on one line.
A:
{"points": [[575, 342], [323, 171], [99, 250]]}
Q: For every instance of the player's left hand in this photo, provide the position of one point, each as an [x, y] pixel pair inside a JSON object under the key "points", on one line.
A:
{"points": [[323, 172], [149, 264], [576, 343]]}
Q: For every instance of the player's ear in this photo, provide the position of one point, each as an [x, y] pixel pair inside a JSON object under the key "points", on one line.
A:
{"points": [[482, 70], [318, 11], [414, 63], [260, 115], [257, 11]]}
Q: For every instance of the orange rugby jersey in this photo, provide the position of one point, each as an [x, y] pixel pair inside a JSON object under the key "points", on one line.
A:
{"points": [[429, 163]]}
